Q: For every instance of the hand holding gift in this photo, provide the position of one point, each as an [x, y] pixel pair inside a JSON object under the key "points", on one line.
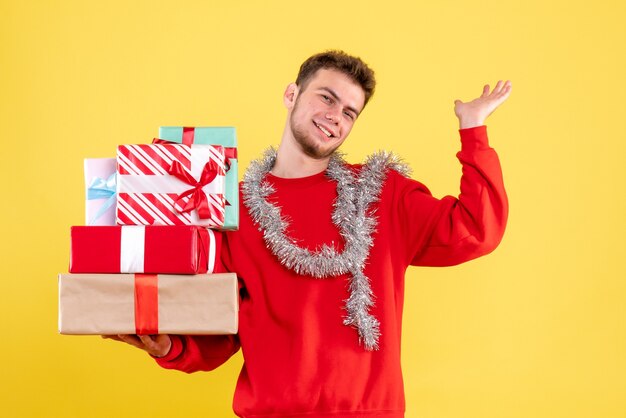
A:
{"points": [[154, 276], [157, 345]]}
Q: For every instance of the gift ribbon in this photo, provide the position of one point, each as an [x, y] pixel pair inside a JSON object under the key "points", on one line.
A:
{"points": [[211, 255], [100, 188], [132, 249], [188, 135], [146, 304], [198, 199]]}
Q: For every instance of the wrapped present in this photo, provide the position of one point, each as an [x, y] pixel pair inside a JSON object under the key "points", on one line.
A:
{"points": [[100, 188], [209, 135], [205, 304], [144, 249], [170, 184]]}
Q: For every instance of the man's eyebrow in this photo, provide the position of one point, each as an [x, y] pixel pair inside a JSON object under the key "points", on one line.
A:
{"points": [[336, 97]]}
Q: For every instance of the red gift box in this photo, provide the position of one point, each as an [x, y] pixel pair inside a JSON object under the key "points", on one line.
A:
{"points": [[144, 249]]}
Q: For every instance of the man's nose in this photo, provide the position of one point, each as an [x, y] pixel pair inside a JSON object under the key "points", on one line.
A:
{"points": [[333, 116]]}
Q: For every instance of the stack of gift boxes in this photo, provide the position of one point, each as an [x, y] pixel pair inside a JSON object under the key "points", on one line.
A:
{"points": [[148, 260]]}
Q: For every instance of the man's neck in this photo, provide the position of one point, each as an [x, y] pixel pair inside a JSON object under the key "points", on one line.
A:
{"points": [[291, 162]]}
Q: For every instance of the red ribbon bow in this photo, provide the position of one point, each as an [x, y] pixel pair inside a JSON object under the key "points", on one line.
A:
{"points": [[198, 199]]}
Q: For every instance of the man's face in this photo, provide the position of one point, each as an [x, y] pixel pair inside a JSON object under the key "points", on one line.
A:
{"points": [[324, 112]]}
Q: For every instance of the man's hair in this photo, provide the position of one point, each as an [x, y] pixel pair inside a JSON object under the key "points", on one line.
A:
{"points": [[337, 60]]}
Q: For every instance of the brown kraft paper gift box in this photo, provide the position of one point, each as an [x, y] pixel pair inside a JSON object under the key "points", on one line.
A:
{"points": [[203, 304]]}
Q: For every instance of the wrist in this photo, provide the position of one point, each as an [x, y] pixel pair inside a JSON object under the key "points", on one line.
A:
{"points": [[474, 139], [465, 123]]}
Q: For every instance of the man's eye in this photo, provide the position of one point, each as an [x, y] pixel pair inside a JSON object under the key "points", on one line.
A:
{"points": [[349, 115], [326, 98]]}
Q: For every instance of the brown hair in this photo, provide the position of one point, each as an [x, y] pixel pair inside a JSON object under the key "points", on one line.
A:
{"points": [[351, 66]]}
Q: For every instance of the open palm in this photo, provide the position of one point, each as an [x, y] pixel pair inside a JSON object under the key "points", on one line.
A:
{"points": [[475, 112]]}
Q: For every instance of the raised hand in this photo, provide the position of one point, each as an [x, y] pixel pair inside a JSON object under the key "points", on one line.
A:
{"points": [[156, 345], [474, 113]]}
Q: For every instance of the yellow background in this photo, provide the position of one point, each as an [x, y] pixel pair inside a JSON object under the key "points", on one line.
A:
{"points": [[537, 329]]}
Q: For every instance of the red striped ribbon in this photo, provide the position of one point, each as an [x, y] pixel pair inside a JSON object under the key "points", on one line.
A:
{"points": [[146, 304]]}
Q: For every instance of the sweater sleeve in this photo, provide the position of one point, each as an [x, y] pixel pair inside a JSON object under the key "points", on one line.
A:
{"points": [[192, 353], [452, 230]]}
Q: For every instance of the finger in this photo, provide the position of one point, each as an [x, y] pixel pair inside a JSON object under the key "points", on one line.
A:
{"points": [[111, 337], [147, 341], [457, 102], [505, 91], [157, 345], [485, 90], [498, 87], [132, 340], [508, 86]]}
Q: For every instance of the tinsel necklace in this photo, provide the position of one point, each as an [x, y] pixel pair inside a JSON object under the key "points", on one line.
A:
{"points": [[355, 193]]}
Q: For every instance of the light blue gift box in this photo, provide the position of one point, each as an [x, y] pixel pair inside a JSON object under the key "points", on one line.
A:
{"points": [[214, 135]]}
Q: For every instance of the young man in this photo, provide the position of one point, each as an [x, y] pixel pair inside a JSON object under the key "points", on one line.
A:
{"points": [[322, 250]]}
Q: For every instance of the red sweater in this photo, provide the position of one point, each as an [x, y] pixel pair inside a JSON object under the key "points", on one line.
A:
{"points": [[300, 360]]}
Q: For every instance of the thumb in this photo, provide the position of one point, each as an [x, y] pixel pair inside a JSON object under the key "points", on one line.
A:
{"points": [[457, 101]]}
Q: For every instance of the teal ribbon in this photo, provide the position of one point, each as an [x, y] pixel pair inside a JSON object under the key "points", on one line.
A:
{"points": [[102, 189]]}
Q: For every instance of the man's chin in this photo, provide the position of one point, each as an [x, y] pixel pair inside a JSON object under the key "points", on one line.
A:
{"points": [[314, 147], [317, 152]]}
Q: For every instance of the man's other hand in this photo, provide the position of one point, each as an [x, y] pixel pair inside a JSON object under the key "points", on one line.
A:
{"points": [[155, 345], [474, 113]]}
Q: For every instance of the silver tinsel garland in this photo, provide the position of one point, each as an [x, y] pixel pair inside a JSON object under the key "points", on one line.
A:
{"points": [[355, 194]]}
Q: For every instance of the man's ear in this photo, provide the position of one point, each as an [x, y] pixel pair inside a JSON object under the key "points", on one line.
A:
{"points": [[290, 95]]}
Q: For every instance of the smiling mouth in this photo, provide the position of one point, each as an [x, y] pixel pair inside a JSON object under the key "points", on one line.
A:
{"points": [[324, 130]]}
